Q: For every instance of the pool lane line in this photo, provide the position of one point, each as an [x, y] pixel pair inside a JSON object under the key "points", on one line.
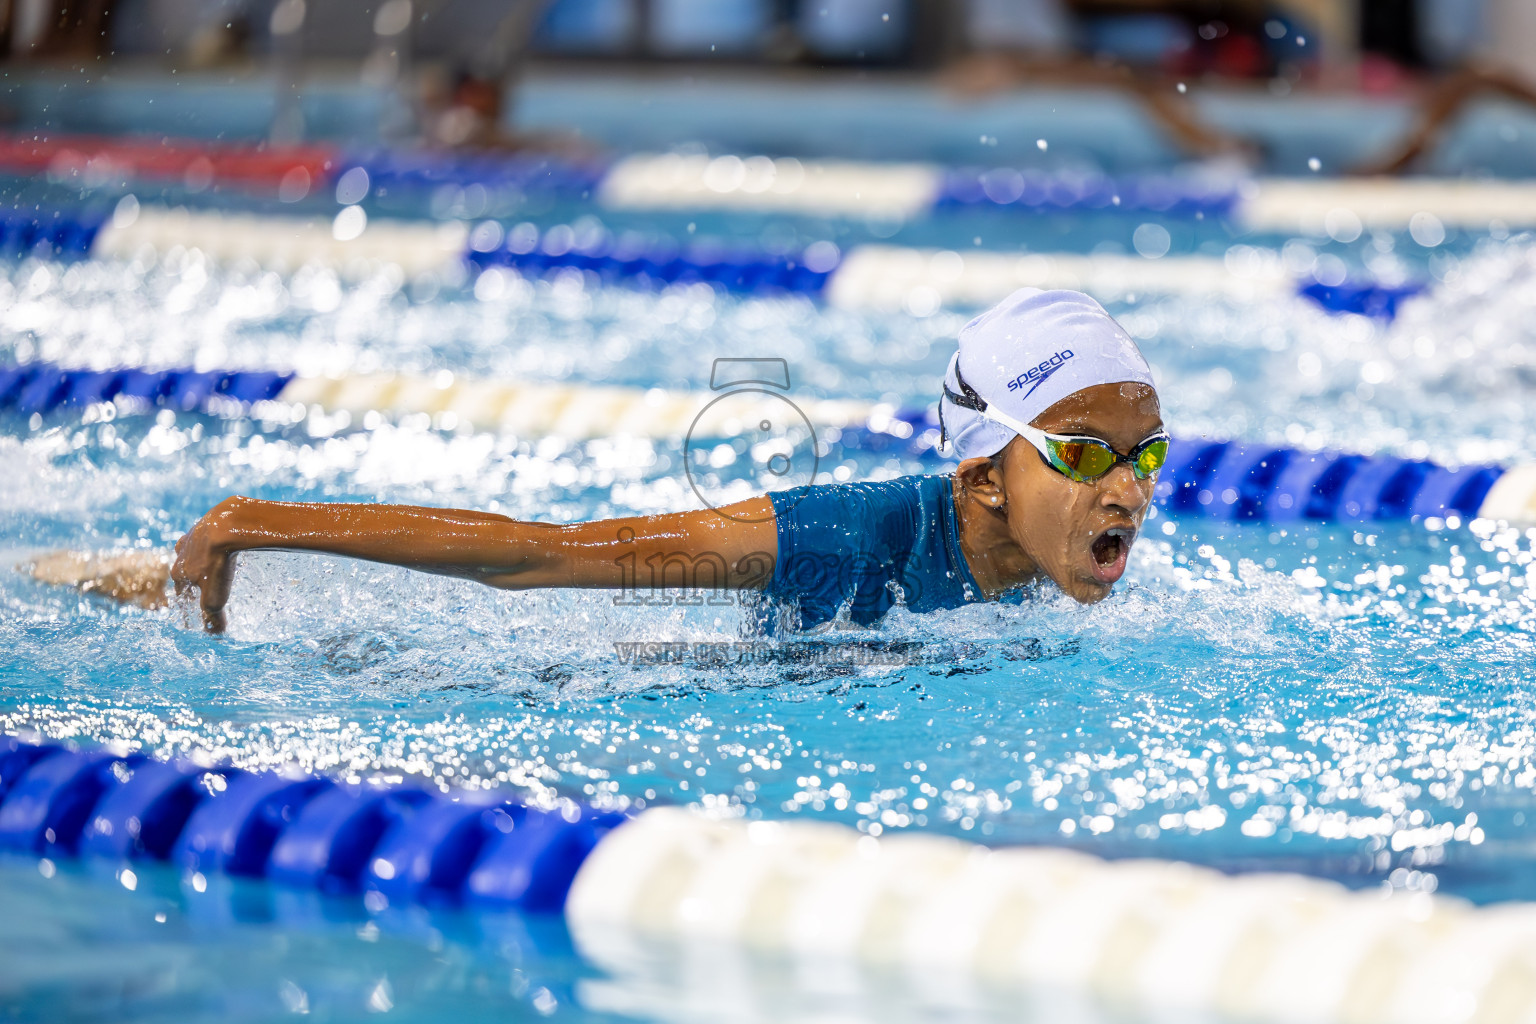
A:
{"points": [[847, 189], [1219, 479], [409, 843], [954, 923], [1314, 205], [786, 185], [922, 281], [671, 888], [870, 277]]}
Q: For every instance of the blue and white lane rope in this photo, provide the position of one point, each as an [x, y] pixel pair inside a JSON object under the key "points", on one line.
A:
{"points": [[1164, 937], [906, 191], [1216, 479], [830, 188], [877, 277], [787, 185]]}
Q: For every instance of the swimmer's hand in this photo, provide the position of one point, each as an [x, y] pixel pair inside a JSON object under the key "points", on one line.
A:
{"points": [[732, 548], [130, 577], [205, 562]]}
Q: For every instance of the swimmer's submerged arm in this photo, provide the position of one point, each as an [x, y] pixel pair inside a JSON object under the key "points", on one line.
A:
{"points": [[706, 549]]}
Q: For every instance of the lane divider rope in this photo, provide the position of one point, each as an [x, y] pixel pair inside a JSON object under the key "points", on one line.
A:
{"points": [[676, 884], [873, 277], [963, 924], [786, 185], [861, 190], [650, 181], [1226, 480], [410, 844]]}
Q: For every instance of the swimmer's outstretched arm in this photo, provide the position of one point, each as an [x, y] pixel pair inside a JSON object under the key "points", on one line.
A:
{"points": [[732, 548]]}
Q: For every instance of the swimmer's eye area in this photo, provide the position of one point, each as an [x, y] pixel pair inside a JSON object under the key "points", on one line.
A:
{"points": [[1086, 459], [1080, 458]]}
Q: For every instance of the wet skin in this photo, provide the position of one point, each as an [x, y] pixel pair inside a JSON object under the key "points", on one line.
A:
{"points": [[1020, 520]]}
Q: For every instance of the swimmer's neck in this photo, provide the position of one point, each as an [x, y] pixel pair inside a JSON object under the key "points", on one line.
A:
{"points": [[997, 562]]}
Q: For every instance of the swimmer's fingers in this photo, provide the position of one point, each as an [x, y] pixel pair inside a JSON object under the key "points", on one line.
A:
{"points": [[179, 578], [213, 591], [212, 595], [200, 566], [213, 615]]}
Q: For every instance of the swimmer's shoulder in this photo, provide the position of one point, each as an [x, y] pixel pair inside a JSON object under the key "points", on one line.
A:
{"points": [[848, 503], [845, 542]]}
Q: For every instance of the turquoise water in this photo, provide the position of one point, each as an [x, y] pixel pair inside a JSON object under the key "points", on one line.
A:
{"points": [[81, 947], [1344, 701]]}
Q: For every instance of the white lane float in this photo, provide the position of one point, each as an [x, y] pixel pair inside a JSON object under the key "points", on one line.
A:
{"points": [[676, 901]]}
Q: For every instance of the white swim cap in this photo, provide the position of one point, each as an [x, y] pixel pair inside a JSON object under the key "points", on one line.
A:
{"points": [[1023, 356]]}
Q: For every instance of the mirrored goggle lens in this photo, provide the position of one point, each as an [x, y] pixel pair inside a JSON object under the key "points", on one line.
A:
{"points": [[1086, 461], [1082, 461], [1151, 459]]}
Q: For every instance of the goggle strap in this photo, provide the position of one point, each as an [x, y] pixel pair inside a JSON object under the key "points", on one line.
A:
{"points": [[969, 397]]}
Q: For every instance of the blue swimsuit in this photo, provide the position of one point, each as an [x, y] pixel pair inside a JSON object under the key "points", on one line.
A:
{"points": [[855, 546]]}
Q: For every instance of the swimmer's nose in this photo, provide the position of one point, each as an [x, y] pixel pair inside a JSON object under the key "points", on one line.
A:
{"points": [[1119, 489]]}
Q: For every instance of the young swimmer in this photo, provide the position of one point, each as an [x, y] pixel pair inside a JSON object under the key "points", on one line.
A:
{"points": [[1047, 402]]}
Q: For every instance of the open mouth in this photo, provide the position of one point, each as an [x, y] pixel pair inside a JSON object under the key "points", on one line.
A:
{"points": [[1110, 550]]}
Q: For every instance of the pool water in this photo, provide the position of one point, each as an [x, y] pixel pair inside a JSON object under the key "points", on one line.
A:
{"points": [[1352, 701], [80, 947]]}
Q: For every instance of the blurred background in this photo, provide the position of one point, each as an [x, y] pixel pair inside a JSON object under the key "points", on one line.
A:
{"points": [[1184, 78]]}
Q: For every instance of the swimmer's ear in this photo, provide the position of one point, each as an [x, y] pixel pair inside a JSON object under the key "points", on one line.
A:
{"points": [[982, 479]]}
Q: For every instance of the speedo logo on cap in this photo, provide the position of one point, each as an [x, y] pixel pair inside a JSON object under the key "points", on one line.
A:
{"points": [[1037, 375]]}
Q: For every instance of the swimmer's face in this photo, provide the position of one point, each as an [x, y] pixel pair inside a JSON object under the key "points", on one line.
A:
{"points": [[1080, 534]]}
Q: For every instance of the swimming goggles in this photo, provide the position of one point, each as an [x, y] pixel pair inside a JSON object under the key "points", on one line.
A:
{"points": [[1076, 457]]}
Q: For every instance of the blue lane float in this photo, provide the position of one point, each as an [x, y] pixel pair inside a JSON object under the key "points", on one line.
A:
{"points": [[48, 806], [143, 817], [738, 270], [529, 174], [410, 844], [1241, 482], [1367, 298], [1040, 191], [51, 234], [43, 388]]}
